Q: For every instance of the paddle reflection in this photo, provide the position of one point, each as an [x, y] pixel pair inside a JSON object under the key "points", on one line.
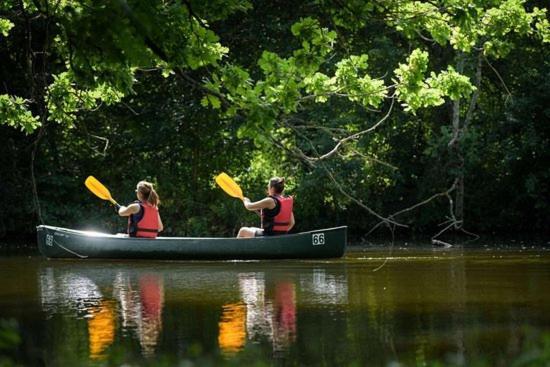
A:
{"points": [[232, 334], [101, 329], [222, 308]]}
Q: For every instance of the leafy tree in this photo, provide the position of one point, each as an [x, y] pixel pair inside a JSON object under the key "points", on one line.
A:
{"points": [[378, 106]]}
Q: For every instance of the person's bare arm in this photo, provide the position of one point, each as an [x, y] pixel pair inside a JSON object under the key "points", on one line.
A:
{"points": [[161, 226], [266, 203], [126, 211], [291, 221]]}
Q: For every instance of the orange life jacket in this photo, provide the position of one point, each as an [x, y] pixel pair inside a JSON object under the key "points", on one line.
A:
{"points": [[147, 225], [277, 220]]}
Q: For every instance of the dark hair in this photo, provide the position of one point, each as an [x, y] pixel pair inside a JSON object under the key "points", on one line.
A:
{"points": [[148, 192], [277, 183]]}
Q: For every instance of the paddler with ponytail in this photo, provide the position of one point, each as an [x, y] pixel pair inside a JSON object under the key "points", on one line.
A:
{"points": [[143, 214], [275, 210]]}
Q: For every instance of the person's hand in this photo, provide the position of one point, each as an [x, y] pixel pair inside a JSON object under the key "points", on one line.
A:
{"points": [[245, 200], [117, 207]]}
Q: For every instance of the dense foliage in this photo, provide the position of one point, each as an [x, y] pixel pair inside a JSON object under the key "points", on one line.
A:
{"points": [[367, 107]]}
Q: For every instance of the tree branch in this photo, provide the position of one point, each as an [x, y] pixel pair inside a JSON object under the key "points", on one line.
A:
{"points": [[341, 142], [499, 78]]}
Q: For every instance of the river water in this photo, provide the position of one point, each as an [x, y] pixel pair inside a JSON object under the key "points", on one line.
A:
{"points": [[379, 307]]}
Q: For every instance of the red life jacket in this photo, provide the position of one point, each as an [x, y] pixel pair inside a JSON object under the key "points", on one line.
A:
{"points": [[147, 225], [280, 222]]}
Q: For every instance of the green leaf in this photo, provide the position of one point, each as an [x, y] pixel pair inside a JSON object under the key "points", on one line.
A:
{"points": [[5, 26], [14, 112]]}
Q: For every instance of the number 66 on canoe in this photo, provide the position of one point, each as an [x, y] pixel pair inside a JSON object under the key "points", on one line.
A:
{"points": [[99, 190]]}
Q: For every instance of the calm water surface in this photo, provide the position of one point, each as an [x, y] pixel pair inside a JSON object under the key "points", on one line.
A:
{"points": [[407, 307]]}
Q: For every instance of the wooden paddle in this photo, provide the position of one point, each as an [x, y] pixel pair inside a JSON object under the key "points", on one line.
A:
{"points": [[99, 190], [229, 185]]}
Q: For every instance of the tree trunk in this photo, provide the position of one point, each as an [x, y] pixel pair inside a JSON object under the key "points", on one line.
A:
{"points": [[457, 157]]}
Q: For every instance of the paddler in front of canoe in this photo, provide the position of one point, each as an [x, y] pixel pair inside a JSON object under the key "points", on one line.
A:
{"points": [[143, 214], [276, 212]]}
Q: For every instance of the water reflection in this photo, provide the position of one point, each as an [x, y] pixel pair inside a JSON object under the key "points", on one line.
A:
{"points": [[141, 307], [68, 291], [120, 304], [284, 318], [139, 303], [268, 310], [330, 289], [266, 315], [260, 315], [101, 328], [232, 334], [420, 308]]}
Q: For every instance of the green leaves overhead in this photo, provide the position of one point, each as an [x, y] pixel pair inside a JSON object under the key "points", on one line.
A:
{"points": [[469, 25], [316, 43], [5, 26], [360, 87], [415, 92], [15, 113], [95, 48], [413, 17], [64, 99], [288, 83], [451, 84]]}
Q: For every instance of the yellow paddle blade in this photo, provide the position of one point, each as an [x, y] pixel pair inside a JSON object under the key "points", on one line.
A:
{"points": [[98, 189], [229, 186]]}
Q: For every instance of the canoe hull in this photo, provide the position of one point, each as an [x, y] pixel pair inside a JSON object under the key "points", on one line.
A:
{"points": [[55, 242]]}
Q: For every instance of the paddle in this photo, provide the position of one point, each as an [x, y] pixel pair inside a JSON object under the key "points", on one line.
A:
{"points": [[99, 190], [229, 185]]}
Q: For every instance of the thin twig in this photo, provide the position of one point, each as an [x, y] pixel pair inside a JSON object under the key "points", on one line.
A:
{"points": [[352, 137], [500, 78]]}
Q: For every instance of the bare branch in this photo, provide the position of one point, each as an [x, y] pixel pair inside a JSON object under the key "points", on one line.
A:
{"points": [[131, 109], [359, 202], [424, 202], [352, 137], [105, 140], [312, 163], [371, 158], [499, 78]]}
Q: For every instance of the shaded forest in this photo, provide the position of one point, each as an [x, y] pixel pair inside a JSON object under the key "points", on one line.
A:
{"points": [[426, 117]]}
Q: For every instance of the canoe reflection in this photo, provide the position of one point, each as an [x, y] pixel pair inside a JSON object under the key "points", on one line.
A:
{"points": [[150, 309]]}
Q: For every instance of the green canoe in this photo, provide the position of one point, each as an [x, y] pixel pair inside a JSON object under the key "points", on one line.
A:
{"points": [[54, 242]]}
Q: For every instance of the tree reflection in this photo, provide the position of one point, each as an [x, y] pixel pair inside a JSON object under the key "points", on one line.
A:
{"points": [[108, 305]]}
